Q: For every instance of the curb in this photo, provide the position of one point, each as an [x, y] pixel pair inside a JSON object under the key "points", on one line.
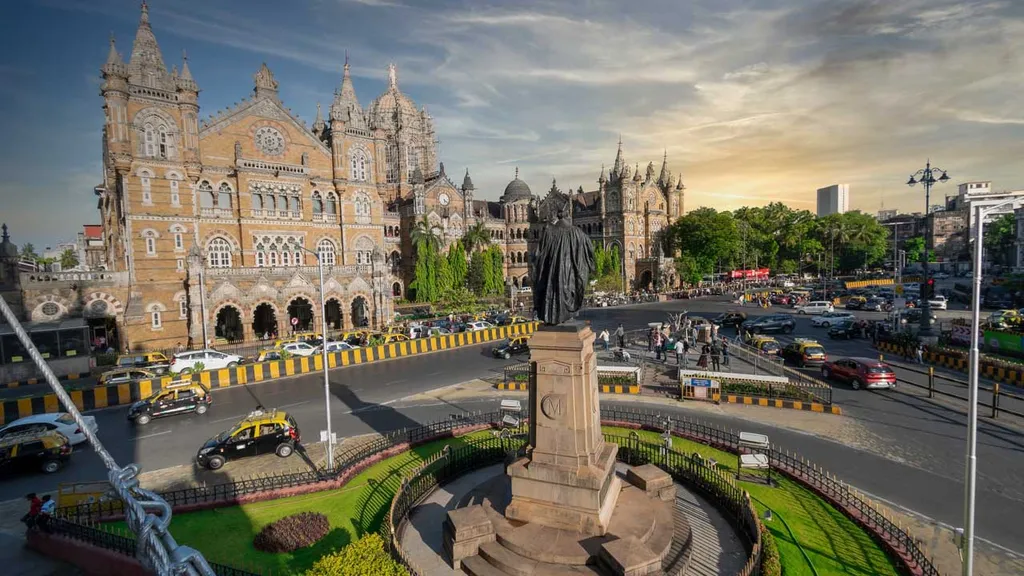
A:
{"points": [[776, 403], [999, 374], [121, 394], [32, 381], [604, 388]]}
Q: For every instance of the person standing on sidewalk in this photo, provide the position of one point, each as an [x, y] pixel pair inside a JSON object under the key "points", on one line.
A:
{"points": [[725, 351], [658, 346], [682, 347], [34, 506], [620, 334], [920, 353], [604, 338], [716, 356]]}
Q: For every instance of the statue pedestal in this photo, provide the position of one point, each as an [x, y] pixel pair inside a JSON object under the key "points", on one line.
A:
{"points": [[567, 479]]}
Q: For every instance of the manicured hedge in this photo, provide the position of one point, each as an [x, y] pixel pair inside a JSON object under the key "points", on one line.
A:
{"points": [[771, 564], [362, 557], [292, 532]]}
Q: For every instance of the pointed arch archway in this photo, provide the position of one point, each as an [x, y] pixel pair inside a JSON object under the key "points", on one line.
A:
{"points": [[264, 320]]}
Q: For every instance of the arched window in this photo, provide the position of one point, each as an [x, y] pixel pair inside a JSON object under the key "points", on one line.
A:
{"points": [[271, 203], [205, 195], [362, 203], [224, 197], [257, 202], [164, 143], [273, 255], [175, 195], [332, 204], [297, 258], [286, 258], [155, 320], [325, 250], [149, 140], [293, 204], [318, 204], [218, 253], [147, 190], [358, 166], [261, 255]]}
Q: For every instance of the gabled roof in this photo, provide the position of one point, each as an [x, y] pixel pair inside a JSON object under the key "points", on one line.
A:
{"points": [[487, 208], [587, 201], [267, 106]]}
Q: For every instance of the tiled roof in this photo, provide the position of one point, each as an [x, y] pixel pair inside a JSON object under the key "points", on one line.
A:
{"points": [[488, 208]]}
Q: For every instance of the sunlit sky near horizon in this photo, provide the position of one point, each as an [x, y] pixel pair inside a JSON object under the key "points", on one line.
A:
{"points": [[754, 100]]}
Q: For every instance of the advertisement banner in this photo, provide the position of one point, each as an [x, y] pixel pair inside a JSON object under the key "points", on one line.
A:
{"points": [[1003, 341]]}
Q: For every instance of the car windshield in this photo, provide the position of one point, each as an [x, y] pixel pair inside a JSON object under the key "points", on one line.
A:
{"points": [[223, 435], [814, 350], [66, 419]]}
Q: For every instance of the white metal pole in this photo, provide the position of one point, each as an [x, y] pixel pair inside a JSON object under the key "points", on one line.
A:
{"points": [[972, 406], [327, 379]]}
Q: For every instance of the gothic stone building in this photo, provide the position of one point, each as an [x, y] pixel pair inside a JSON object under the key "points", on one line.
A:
{"points": [[228, 215]]}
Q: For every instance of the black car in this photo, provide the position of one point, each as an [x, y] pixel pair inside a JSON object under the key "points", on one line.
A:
{"points": [[182, 397], [512, 347], [730, 319], [773, 323], [845, 330], [913, 316], [875, 304], [45, 450], [260, 433]]}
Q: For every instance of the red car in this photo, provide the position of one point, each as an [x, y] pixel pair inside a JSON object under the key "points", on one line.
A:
{"points": [[860, 373], [781, 299]]}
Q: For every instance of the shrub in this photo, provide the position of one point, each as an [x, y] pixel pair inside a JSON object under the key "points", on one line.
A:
{"points": [[364, 556], [292, 532], [771, 565]]}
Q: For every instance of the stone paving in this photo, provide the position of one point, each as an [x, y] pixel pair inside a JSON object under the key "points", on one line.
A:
{"points": [[716, 547]]}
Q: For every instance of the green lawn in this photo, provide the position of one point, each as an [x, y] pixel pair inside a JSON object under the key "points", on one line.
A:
{"points": [[832, 542], [224, 535]]}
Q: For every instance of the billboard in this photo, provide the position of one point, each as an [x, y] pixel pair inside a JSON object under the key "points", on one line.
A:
{"points": [[760, 273], [1003, 341]]}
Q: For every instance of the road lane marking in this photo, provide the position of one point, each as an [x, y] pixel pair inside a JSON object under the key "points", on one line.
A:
{"points": [[150, 435], [295, 404], [228, 418], [400, 380]]}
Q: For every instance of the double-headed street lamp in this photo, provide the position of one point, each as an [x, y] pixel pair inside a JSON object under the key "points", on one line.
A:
{"points": [[927, 176], [971, 473]]}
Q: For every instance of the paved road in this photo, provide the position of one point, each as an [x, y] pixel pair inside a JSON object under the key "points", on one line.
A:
{"points": [[917, 446]]}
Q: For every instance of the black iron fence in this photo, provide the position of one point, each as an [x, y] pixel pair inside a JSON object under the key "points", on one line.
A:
{"points": [[80, 521]]}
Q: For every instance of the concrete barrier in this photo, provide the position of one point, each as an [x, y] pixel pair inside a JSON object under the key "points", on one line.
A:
{"points": [[121, 394]]}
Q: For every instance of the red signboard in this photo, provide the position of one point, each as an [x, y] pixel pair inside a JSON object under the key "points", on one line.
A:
{"points": [[749, 274]]}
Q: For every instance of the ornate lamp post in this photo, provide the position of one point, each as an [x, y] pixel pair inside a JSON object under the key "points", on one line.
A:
{"points": [[927, 177]]}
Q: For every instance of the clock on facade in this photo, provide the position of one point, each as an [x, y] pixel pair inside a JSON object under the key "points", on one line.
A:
{"points": [[443, 198], [269, 141]]}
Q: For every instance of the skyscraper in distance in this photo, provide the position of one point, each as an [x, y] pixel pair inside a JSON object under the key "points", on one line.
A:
{"points": [[834, 199]]}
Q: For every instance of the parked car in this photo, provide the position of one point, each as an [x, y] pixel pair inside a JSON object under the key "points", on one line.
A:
{"points": [[182, 397], [261, 432], [57, 421], [46, 451], [829, 318], [125, 375], [860, 373], [336, 347], [155, 362], [185, 362], [816, 307], [772, 323]]}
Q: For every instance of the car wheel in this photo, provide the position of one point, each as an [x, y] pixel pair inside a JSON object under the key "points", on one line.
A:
{"points": [[284, 450], [787, 329], [201, 409], [215, 462], [142, 419], [506, 355], [50, 466], [185, 371], [855, 384], [825, 324], [801, 312], [232, 364], [825, 373]]}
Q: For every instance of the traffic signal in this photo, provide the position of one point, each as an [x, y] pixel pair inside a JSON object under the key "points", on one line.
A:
{"points": [[929, 290]]}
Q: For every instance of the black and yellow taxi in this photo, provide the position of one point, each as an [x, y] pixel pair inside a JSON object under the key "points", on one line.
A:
{"points": [[180, 397], [766, 345], [43, 450], [155, 362], [296, 337], [805, 352], [511, 347], [261, 432], [125, 375]]}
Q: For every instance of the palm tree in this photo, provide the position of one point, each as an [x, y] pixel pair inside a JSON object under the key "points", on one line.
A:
{"points": [[476, 236], [68, 259], [28, 252], [425, 233]]}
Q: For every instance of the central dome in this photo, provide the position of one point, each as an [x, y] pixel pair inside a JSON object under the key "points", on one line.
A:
{"points": [[386, 108], [516, 190]]}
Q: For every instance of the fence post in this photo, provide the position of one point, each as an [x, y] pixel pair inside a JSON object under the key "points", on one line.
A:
{"points": [[995, 400], [931, 381]]}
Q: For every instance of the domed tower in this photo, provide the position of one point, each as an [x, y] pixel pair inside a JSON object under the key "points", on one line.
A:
{"points": [[516, 204], [411, 130]]}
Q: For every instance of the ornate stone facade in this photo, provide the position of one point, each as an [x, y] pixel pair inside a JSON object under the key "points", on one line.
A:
{"points": [[228, 215]]}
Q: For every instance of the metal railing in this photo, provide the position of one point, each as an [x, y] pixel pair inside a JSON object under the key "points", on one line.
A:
{"points": [[996, 392]]}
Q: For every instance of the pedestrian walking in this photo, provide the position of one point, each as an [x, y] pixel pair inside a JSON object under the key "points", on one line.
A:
{"points": [[681, 349], [34, 506], [725, 351], [604, 338], [46, 511], [650, 339], [702, 361], [920, 353], [658, 346], [716, 356], [620, 333]]}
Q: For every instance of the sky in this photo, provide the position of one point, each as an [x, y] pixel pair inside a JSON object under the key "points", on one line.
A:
{"points": [[752, 100]]}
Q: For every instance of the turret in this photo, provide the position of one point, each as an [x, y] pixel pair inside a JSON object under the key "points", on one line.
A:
{"points": [[265, 86], [346, 109], [146, 66], [619, 167], [115, 102], [188, 103], [665, 178], [467, 195], [319, 126]]}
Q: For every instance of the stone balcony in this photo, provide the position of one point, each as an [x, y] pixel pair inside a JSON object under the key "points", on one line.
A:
{"points": [[277, 271], [216, 212], [281, 214], [66, 279]]}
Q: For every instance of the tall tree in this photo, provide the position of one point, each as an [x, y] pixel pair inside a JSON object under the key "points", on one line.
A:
{"points": [[445, 280], [476, 276], [68, 259], [1000, 235], [427, 241], [476, 237], [914, 248], [28, 252], [707, 236], [457, 264]]}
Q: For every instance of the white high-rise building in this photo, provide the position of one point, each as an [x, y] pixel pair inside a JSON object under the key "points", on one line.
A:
{"points": [[834, 199]]}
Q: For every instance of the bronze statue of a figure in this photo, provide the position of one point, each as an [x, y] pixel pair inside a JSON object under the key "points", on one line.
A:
{"points": [[565, 261]]}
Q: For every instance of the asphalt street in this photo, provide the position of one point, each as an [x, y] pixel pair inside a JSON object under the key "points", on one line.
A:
{"points": [[917, 446]]}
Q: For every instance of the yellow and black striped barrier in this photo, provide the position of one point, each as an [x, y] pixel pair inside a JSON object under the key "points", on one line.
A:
{"points": [[605, 388], [121, 394], [1000, 374], [776, 403], [32, 381]]}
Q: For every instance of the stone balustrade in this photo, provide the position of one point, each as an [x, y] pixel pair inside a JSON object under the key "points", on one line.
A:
{"points": [[288, 271], [263, 166], [35, 279]]}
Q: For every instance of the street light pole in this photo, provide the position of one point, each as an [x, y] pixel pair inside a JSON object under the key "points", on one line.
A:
{"points": [[927, 177]]}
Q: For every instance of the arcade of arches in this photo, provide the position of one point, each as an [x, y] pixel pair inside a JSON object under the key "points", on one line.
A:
{"points": [[229, 324], [300, 309]]}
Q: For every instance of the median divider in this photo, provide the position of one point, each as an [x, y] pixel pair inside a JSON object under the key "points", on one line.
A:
{"points": [[31, 381], [779, 403], [121, 394]]}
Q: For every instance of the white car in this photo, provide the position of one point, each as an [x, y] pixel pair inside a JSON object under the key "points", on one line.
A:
{"points": [[185, 362], [938, 302], [336, 347], [478, 325], [816, 307], [829, 318], [299, 348], [940, 276], [60, 421]]}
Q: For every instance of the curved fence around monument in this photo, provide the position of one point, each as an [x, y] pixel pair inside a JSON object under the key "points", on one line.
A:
{"points": [[83, 522]]}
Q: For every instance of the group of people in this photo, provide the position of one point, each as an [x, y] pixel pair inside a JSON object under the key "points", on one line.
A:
{"points": [[40, 511]]}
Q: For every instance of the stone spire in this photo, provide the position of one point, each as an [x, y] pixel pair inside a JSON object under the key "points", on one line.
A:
{"points": [[115, 68], [602, 178], [265, 85], [636, 174], [467, 182], [345, 107], [318, 124], [650, 172], [619, 162], [185, 81], [146, 55], [113, 58], [665, 178]]}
